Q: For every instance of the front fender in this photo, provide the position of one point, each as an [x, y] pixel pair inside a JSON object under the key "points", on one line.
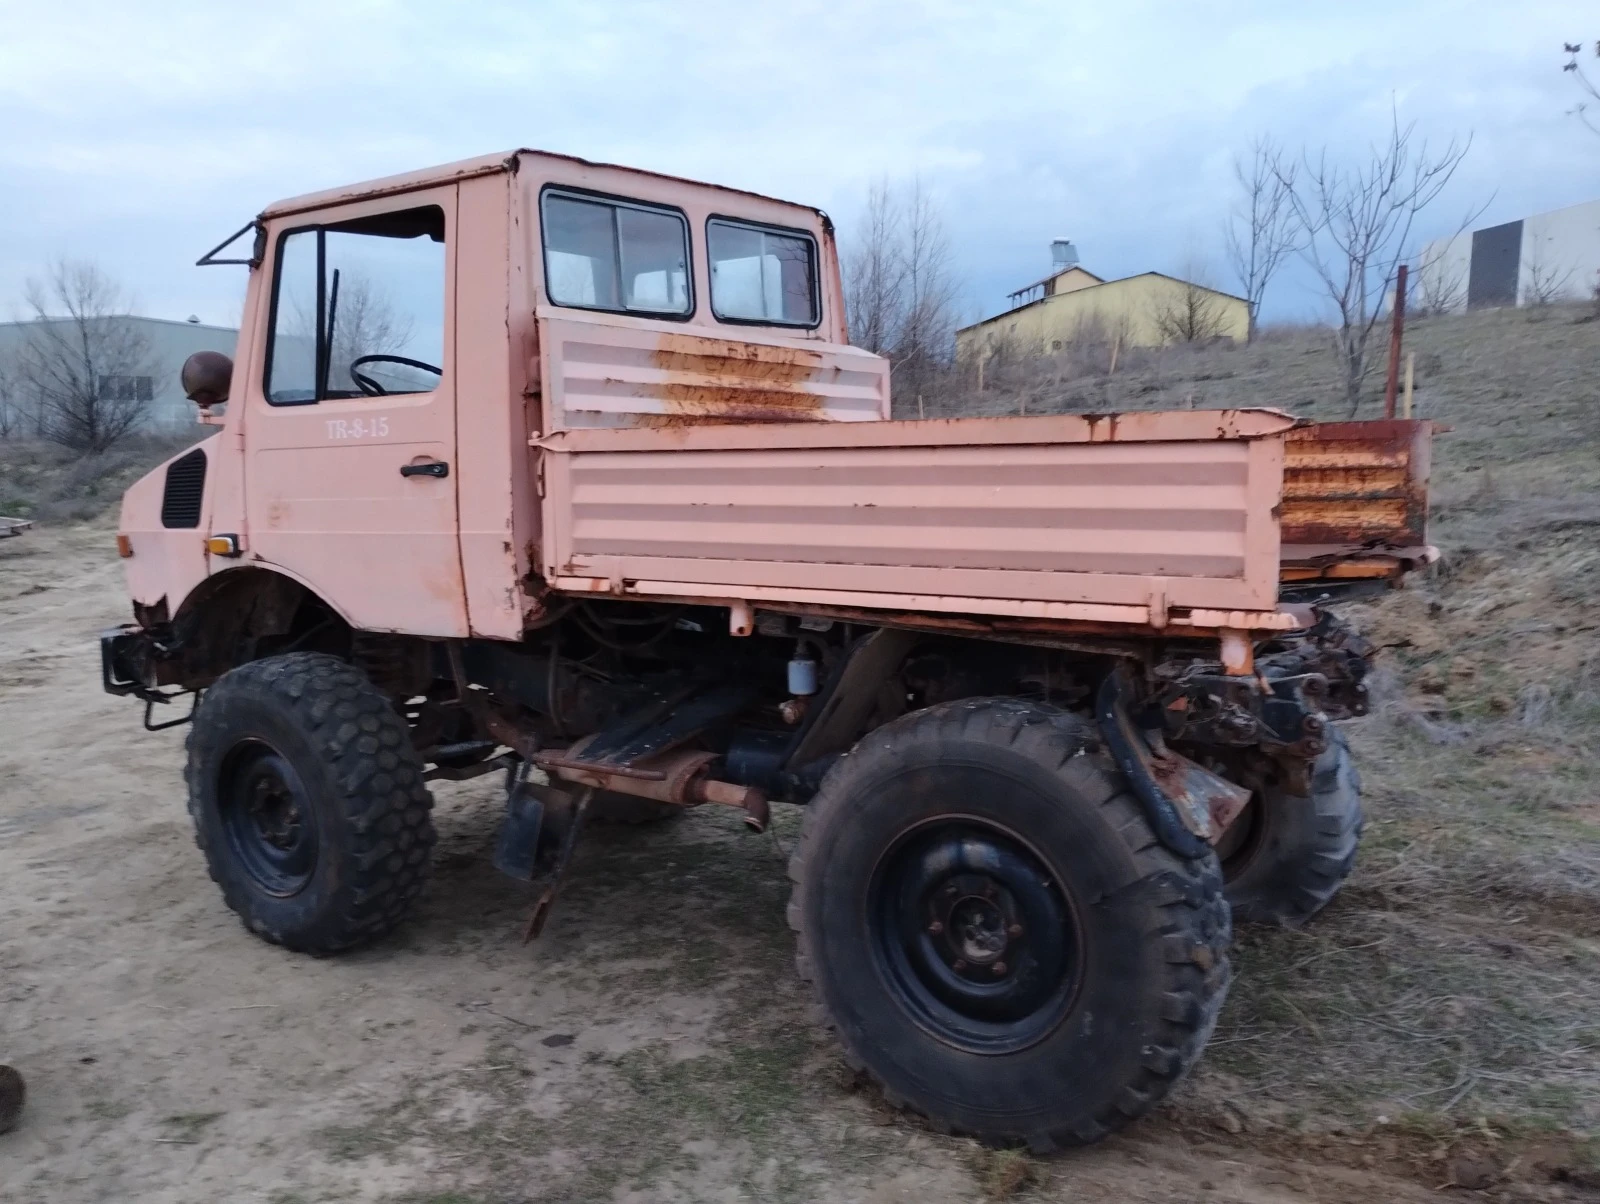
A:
{"points": [[164, 562]]}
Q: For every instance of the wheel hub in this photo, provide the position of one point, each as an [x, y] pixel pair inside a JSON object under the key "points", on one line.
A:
{"points": [[273, 808], [977, 919], [265, 812], [975, 936]]}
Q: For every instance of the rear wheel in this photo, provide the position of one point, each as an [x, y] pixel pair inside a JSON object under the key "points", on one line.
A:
{"points": [[308, 802], [1287, 855], [994, 932]]}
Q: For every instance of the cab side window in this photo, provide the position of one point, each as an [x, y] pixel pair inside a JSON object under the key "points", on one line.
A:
{"points": [[615, 255], [358, 309], [762, 275]]}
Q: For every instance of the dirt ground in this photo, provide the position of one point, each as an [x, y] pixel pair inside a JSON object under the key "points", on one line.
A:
{"points": [[1435, 1031]]}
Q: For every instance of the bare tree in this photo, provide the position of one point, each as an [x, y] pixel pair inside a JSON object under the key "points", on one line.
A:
{"points": [[1358, 221], [1193, 313], [927, 331], [900, 291], [874, 276], [83, 363], [1546, 282], [365, 322], [1440, 282], [11, 413], [1585, 84], [1262, 231]]}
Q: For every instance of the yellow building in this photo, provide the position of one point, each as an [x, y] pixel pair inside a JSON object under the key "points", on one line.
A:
{"points": [[1072, 304]]}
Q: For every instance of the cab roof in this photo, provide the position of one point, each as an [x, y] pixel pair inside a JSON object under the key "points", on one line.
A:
{"points": [[484, 165]]}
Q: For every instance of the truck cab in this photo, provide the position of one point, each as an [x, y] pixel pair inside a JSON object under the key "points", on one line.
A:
{"points": [[406, 342]]}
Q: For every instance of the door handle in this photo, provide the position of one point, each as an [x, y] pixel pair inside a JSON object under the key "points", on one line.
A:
{"points": [[429, 468]]}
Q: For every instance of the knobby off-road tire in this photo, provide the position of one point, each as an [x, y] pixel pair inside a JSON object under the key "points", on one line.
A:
{"points": [[1295, 852], [308, 802], [992, 830]]}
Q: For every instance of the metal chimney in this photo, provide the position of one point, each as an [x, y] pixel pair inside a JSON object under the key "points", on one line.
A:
{"points": [[1063, 254]]}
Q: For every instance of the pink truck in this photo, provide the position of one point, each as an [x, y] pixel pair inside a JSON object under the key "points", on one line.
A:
{"points": [[564, 471]]}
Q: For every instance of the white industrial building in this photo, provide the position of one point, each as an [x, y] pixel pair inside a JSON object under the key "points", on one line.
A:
{"points": [[153, 380], [1548, 257]]}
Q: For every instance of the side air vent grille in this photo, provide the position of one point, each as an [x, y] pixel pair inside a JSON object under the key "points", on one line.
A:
{"points": [[186, 485]]}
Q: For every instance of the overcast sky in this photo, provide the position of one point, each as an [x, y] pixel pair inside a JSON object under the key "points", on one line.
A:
{"points": [[136, 135]]}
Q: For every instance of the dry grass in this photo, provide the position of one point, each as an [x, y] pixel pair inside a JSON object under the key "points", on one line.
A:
{"points": [[55, 484]]}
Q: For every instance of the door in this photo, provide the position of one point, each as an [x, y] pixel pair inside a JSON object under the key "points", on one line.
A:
{"points": [[350, 436]]}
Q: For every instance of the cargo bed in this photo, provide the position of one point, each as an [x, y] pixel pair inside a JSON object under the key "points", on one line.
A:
{"points": [[1145, 518]]}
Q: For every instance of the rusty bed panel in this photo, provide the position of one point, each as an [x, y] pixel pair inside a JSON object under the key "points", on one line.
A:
{"points": [[1356, 484], [602, 374], [988, 510]]}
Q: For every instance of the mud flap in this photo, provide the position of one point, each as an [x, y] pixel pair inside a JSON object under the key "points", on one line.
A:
{"points": [[534, 827], [516, 845], [537, 837]]}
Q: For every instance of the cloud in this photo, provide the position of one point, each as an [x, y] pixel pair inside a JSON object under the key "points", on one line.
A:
{"points": [[139, 135]]}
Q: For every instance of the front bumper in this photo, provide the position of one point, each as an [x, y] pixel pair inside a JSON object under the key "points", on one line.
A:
{"points": [[125, 661], [127, 666]]}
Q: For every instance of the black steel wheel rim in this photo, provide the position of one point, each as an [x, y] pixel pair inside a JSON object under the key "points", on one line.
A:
{"points": [[267, 818], [974, 935]]}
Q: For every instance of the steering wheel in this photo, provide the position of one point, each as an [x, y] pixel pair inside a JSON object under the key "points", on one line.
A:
{"points": [[371, 387]]}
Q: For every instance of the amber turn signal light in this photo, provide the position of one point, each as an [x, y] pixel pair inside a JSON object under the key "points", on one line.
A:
{"points": [[223, 545], [124, 546]]}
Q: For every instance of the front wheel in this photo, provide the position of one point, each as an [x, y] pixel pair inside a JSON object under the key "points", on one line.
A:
{"points": [[994, 932], [308, 802]]}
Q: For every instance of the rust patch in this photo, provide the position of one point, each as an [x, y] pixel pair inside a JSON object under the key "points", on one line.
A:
{"points": [[1362, 483], [721, 380]]}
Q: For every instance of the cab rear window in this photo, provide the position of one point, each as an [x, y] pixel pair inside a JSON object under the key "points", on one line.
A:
{"points": [[761, 274], [603, 253]]}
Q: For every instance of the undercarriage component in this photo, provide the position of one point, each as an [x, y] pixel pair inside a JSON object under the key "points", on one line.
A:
{"points": [[680, 778], [1187, 805], [524, 833], [558, 868]]}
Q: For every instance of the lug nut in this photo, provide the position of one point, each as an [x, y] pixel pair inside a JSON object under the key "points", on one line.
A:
{"points": [[959, 966], [999, 968]]}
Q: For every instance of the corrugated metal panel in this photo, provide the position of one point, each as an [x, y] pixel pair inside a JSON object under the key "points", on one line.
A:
{"points": [[1356, 483], [1185, 523], [602, 374]]}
